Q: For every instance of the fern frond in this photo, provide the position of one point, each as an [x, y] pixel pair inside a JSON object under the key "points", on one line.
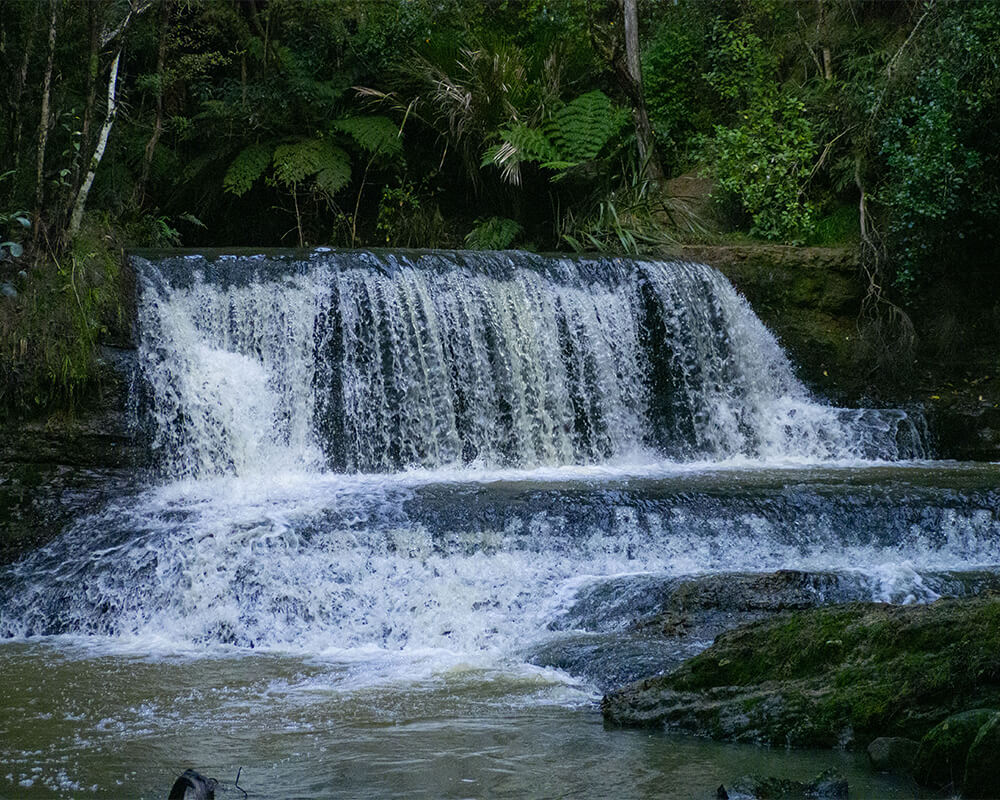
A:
{"points": [[518, 144], [495, 233], [373, 134], [295, 161], [247, 168], [531, 143], [336, 173], [581, 128]]}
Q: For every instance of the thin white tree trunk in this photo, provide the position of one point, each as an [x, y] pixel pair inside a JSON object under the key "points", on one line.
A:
{"points": [[102, 143]]}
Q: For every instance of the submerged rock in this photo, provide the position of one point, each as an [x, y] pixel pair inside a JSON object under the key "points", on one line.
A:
{"points": [[835, 676], [893, 754], [192, 785], [828, 785]]}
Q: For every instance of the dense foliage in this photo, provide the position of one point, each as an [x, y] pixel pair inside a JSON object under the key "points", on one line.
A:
{"points": [[482, 124]]}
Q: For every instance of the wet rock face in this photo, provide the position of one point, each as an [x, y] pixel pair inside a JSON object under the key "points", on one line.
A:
{"points": [[835, 676], [53, 469], [966, 427]]}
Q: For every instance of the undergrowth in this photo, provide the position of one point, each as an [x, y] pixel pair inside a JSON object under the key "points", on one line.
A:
{"points": [[51, 328]]}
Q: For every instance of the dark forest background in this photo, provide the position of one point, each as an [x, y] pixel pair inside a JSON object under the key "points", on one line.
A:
{"points": [[543, 125]]}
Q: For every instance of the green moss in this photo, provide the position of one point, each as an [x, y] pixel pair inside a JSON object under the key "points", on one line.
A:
{"points": [[831, 675], [942, 756], [982, 765]]}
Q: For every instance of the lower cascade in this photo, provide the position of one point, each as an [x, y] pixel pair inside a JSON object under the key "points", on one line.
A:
{"points": [[444, 485]]}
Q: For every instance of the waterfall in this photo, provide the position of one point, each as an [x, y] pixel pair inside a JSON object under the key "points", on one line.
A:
{"points": [[434, 451], [447, 496], [377, 362]]}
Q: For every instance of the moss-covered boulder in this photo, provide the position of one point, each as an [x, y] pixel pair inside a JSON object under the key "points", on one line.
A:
{"points": [[982, 763], [940, 762], [833, 676]]}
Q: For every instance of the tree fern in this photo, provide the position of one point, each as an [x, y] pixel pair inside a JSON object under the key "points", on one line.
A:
{"points": [[294, 162], [247, 168], [373, 134], [575, 134], [581, 128], [336, 172], [495, 233], [315, 158], [518, 144]]}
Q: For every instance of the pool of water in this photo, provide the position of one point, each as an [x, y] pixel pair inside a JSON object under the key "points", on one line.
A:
{"points": [[74, 723], [392, 635]]}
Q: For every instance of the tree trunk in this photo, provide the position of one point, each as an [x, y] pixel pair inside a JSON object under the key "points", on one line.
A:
{"points": [[93, 71], [22, 81], [643, 130], [139, 192], [102, 143], [824, 32], [43, 124], [136, 7]]}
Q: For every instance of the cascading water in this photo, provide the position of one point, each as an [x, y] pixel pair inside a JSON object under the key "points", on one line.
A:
{"points": [[417, 467], [375, 363]]}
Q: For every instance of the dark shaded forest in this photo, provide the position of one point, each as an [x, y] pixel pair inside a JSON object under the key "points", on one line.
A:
{"points": [[604, 125]]}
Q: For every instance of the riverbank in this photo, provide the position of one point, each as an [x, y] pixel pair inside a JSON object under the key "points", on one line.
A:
{"points": [[844, 676]]}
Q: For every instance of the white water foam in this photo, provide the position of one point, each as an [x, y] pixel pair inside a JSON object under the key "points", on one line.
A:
{"points": [[377, 363], [416, 463]]}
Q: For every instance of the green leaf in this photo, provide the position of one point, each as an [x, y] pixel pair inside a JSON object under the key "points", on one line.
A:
{"points": [[192, 219], [246, 169], [374, 134]]}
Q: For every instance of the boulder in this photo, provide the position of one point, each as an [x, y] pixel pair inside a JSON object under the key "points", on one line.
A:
{"points": [[893, 754], [837, 676], [828, 785], [941, 759], [982, 765]]}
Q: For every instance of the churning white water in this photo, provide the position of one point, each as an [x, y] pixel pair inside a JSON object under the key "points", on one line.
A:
{"points": [[363, 362], [438, 452]]}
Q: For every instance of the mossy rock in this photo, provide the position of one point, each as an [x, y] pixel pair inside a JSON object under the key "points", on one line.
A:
{"points": [[831, 676], [982, 764], [940, 762], [828, 784]]}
